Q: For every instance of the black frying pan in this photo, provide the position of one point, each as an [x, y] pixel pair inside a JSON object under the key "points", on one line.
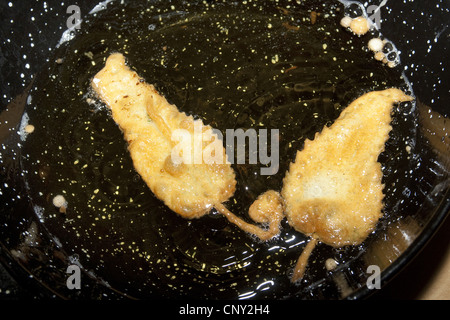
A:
{"points": [[125, 241]]}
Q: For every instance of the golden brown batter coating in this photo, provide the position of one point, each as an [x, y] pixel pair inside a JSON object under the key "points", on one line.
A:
{"points": [[148, 121], [267, 209], [333, 191], [190, 188]]}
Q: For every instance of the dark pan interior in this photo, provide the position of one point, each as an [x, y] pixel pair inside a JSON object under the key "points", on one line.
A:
{"points": [[128, 243]]}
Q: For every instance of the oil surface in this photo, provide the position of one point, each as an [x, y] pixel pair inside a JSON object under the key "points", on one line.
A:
{"points": [[251, 64]]}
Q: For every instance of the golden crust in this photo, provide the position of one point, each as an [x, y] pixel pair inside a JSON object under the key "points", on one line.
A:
{"points": [[333, 191], [148, 121]]}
